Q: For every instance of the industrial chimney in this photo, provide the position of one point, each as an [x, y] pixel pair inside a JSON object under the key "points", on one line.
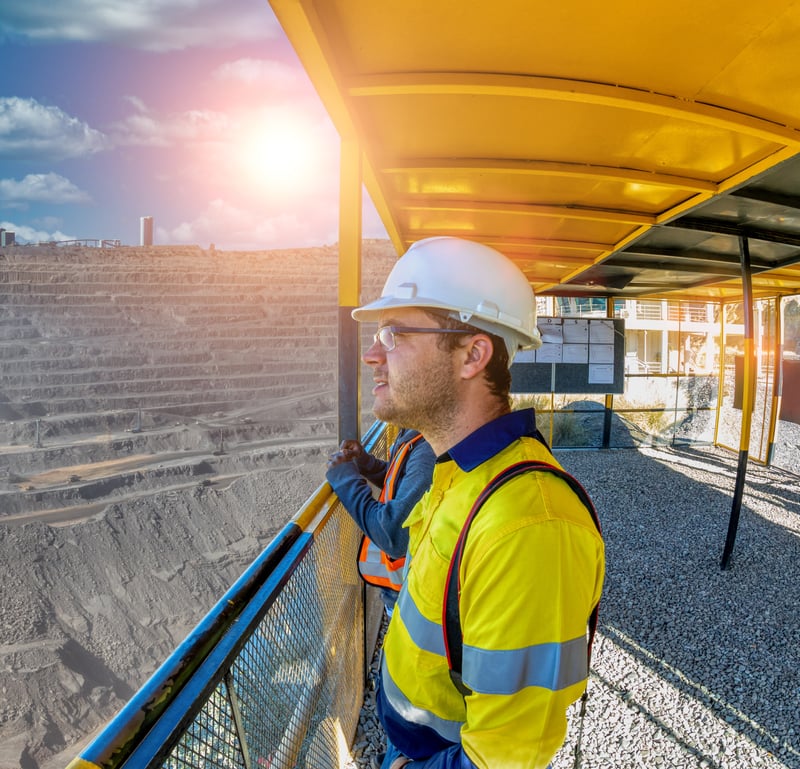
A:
{"points": [[146, 231]]}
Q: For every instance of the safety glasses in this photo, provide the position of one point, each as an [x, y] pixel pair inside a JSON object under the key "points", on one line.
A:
{"points": [[386, 334]]}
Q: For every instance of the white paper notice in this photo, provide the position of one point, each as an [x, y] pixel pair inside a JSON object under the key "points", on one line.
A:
{"points": [[550, 329], [576, 331], [601, 373], [601, 332], [549, 353], [525, 356], [601, 353], [575, 353]]}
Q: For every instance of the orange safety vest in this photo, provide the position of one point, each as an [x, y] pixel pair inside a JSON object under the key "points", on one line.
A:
{"points": [[374, 566]]}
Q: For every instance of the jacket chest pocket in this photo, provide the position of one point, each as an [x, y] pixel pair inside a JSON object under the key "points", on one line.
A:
{"points": [[428, 571]]}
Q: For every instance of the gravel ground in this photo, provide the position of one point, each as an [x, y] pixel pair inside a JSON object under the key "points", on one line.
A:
{"points": [[693, 666]]}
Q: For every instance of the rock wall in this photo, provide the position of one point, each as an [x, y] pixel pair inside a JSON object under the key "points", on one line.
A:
{"points": [[163, 412]]}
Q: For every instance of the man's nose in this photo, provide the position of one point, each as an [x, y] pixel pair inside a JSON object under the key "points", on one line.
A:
{"points": [[375, 355]]}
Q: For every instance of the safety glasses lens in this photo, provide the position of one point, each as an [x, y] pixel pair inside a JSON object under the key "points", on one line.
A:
{"points": [[386, 338]]}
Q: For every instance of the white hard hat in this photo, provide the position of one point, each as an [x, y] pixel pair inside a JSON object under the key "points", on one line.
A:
{"points": [[473, 283]]}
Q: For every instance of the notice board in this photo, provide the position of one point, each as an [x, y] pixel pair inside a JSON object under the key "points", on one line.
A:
{"points": [[578, 355]]}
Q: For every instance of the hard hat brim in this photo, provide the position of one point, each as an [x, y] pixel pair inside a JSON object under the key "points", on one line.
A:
{"points": [[516, 339], [372, 311]]}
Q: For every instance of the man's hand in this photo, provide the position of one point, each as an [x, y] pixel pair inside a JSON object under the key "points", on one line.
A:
{"points": [[352, 449], [349, 450]]}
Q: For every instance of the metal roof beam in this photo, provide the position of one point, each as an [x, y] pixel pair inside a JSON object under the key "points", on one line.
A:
{"points": [[707, 258], [768, 196], [718, 227], [563, 90], [545, 168], [525, 209], [646, 264], [522, 247], [789, 261]]}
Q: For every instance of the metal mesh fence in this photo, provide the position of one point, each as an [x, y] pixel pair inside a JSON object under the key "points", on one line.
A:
{"points": [[292, 696], [206, 742]]}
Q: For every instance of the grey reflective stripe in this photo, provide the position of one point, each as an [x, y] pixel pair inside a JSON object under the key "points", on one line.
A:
{"points": [[374, 566], [450, 730], [425, 634], [550, 666]]}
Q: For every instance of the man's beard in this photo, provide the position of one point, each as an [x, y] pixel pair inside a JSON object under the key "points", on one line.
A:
{"points": [[425, 402]]}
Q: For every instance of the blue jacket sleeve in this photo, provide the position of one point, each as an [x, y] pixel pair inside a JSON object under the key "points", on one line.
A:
{"points": [[383, 522], [373, 469]]}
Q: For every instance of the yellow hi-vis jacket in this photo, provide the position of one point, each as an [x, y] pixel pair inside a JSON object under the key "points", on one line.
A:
{"points": [[531, 573]]}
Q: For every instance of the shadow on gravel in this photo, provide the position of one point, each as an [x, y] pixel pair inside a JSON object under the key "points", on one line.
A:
{"points": [[776, 486], [727, 641], [93, 671]]}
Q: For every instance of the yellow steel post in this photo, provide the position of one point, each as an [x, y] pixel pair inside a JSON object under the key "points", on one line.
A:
{"points": [[721, 372], [609, 398], [349, 403], [777, 380]]}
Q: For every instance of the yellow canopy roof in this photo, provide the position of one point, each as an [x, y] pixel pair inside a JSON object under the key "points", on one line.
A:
{"points": [[618, 148]]}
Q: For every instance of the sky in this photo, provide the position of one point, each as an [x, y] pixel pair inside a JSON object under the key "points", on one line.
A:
{"points": [[195, 112]]}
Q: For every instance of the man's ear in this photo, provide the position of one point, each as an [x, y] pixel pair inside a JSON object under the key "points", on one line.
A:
{"points": [[477, 354]]}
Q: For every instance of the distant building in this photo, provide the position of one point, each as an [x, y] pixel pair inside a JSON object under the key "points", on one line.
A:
{"points": [[7, 238], [146, 231]]}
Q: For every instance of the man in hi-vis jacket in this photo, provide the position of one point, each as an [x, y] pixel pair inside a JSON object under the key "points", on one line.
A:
{"points": [[452, 315], [402, 480]]}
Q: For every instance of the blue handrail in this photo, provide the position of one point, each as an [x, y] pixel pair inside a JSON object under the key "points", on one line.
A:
{"points": [[147, 728], [128, 728]]}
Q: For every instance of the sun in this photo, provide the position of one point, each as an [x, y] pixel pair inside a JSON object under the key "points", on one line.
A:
{"points": [[278, 153]]}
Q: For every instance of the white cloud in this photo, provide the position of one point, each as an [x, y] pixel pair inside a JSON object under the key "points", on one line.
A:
{"points": [[28, 128], [26, 234], [276, 76], [154, 25], [233, 229], [149, 130], [40, 188], [33, 130], [137, 103], [224, 135]]}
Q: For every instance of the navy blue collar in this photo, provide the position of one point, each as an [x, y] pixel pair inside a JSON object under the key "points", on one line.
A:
{"points": [[492, 438]]}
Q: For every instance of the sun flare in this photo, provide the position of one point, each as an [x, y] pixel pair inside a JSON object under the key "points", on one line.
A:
{"points": [[279, 154]]}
